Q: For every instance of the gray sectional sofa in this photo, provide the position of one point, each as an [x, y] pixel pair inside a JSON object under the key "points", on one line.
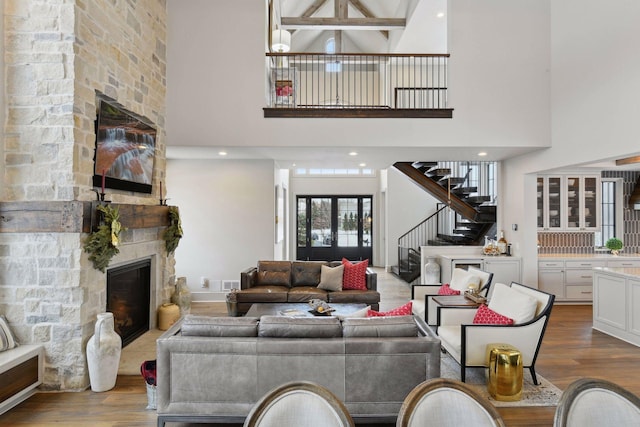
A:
{"points": [[297, 281], [214, 369]]}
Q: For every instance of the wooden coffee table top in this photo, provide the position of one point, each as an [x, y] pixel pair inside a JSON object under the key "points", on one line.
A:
{"points": [[454, 301], [302, 309]]}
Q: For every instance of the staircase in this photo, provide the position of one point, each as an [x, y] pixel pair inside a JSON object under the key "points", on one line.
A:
{"points": [[463, 217]]}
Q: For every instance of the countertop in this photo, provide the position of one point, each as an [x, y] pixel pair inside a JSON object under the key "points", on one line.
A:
{"points": [[631, 273], [602, 255]]}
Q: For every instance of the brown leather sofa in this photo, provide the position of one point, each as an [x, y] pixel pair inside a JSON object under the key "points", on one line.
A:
{"points": [[296, 282]]}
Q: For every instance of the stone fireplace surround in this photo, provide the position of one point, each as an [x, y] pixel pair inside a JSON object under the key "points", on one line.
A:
{"points": [[54, 294]]}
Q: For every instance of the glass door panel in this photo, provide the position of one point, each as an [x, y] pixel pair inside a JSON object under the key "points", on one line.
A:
{"points": [[367, 222], [348, 222], [555, 202], [590, 202], [573, 202], [301, 222], [540, 202]]}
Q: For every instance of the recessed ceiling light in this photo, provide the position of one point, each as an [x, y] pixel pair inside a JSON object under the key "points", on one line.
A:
{"points": [[482, 154], [440, 15], [353, 153], [222, 153], [363, 165], [293, 165]]}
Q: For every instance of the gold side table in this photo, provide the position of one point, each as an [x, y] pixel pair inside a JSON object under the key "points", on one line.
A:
{"points": [[505, 378]]}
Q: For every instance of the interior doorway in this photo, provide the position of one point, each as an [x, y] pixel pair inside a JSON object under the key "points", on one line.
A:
{"points": [[334, 227]]}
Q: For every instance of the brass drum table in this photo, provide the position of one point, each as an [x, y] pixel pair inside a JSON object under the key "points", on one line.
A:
{"points": [[504, 381]]}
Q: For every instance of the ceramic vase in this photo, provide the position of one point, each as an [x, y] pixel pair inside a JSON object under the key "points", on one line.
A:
{"points": [[182, 296], [431, 271], [103, 354]]}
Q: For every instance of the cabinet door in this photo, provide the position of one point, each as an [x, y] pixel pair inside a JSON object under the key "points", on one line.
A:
{"points": [[504, 270], [541, 202], [591, 201], [553, 209], [574, 202], [552, 281]]}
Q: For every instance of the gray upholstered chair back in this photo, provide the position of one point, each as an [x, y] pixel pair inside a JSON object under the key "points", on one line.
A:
{"points": [[445, 402], [299, 404], [590, 402]]}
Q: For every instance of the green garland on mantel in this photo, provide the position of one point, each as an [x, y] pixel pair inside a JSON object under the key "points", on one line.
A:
{"points": [[173, 233], [102, 244]]}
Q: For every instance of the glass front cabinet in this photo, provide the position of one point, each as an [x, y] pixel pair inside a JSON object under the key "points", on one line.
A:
{"points": [[549, 203], [569, 203]]}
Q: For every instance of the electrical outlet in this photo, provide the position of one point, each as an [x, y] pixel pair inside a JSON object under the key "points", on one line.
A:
{"points": [[204, 282]]}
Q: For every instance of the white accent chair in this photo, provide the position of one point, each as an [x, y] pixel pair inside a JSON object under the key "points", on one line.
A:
{"points": [[422, 295], [590, 402], [299, 404], [466, 342], [443, 402]]}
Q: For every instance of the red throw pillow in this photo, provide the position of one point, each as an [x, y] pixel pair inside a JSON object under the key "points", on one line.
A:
{"points": [[403, 310], [354, 276], [486, 316], [446, 290]]}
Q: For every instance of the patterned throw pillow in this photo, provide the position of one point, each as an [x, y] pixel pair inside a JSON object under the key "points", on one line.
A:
{"points": [[486, 316], [446, 290], [354, 277], [7, 339], [403, 310]]}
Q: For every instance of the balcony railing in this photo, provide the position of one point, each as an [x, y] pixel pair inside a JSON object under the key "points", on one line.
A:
{"points": [[357, 85]]}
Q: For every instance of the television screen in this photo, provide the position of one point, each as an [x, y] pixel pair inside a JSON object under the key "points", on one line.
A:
{"points": [[125, 148]]}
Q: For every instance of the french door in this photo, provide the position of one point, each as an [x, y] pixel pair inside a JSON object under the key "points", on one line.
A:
{"points": [[332, 227]]}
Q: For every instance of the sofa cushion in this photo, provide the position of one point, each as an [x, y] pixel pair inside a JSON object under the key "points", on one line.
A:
{"points": [[446, 290], [207, 326], [263, 294], [354, 276], [398, 326], [486, 316], [306, 294], [306, 273], [299, 327], [403, 310], [513, 304], [331, 278], [364, 297], [274, 273]]}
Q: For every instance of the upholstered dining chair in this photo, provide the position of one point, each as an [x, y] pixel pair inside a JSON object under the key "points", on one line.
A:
{"points": [[299, 404], [590, 402], [443, 402], [422, 295]]}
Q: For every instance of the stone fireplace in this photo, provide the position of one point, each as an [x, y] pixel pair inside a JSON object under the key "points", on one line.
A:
{"points": [[56, 59]]}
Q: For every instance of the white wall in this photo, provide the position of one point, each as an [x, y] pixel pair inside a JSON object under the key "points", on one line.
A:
{"points": [[227, 212], [499, 82], [595, 84], [407, 205]]}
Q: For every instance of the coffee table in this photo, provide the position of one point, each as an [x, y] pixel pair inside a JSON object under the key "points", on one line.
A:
{"points": [[456, 301], [298, 309]]}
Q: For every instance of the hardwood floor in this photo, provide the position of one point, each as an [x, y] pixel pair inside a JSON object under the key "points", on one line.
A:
{"points": [[571, 350]]}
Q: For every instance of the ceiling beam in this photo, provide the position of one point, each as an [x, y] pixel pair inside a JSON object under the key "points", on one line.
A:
{"points": [[364, 10], [313, 8], [342, 24], [628, 161], [341, 11]]}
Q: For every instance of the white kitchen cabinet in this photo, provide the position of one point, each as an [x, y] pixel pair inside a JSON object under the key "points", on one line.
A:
{"points": [[568, 203], [616, 303], [582, 203], [505, 269], [551, 278]]}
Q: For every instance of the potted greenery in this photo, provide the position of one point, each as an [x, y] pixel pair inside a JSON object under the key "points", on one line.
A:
{"points": [[614, 244]]}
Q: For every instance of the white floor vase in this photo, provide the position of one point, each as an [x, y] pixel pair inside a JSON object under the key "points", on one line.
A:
{"points": [[103, 354]]}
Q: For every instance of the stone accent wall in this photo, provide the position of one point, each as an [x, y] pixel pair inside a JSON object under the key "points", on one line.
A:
{"points": [[58, 53]]}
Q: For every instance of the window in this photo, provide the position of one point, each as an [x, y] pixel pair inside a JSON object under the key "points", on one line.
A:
{"points": [[611, 203]]}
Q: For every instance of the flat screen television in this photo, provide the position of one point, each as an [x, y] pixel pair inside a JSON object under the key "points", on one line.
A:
{"points": [[125, 148]]}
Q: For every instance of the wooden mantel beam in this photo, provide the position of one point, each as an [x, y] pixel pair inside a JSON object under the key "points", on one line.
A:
{"points": [[74, 216], [343, 24]]}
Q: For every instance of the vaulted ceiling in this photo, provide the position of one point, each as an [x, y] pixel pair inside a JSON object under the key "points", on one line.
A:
{"points": [[369, 26]]}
